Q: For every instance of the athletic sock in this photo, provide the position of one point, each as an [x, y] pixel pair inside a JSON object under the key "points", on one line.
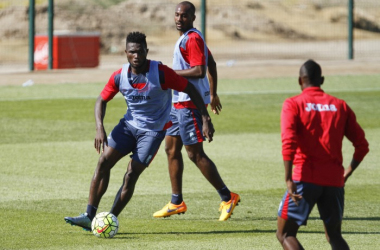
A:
{"points": [[225, 194], [91, 211], [176, 199]]}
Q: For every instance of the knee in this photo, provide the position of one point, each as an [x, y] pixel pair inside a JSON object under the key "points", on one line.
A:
{"points": [[169, 150], [193, 156], [133, 172], [199, 157], [195, 153], [130, 179], [280, 237], [333, 233], [104, 164], [173, 152], [333, 237], [131, 175]]}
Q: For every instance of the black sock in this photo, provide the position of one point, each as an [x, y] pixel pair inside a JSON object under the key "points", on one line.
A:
{"points": [[91, 211], [176, 199], [225, 194]]}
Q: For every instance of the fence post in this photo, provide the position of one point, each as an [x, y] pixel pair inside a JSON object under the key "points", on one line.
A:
{"points": [[31, 33], [50, 32], [350, 29], [203, 18]]}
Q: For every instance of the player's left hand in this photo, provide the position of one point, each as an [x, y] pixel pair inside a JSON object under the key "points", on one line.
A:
{"points": [[347, 173], [215, 104]]}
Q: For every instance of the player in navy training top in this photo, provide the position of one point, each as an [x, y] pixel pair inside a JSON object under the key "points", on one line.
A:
{"points": [[191, 60], [146, 86]]}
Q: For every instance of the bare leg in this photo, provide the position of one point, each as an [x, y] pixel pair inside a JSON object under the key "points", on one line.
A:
{"points": [[173, 147], [286, 234], [126, 190], [205, 165], [334, 236], [100, 180]]}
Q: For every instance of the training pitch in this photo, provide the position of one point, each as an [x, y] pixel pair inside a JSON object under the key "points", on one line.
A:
{"points": [[47, 161]]}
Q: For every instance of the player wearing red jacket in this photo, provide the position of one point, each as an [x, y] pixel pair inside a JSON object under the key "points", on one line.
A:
{"points": [[313, 125]]}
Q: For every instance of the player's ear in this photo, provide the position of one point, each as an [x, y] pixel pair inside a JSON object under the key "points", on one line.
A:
{"points": [[322, 79], [300, 81], [147, 50], [125, 51], [194, 17]]}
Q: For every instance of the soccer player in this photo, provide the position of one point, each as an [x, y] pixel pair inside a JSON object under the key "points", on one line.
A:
{"points": [[313, 125], [190, 60], [146, 86]]}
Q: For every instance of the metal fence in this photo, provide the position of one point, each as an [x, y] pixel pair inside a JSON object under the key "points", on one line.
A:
{"points": [[235, 30]]}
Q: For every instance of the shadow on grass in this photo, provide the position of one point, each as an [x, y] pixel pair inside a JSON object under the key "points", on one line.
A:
{"points": [[121, 235], [353, 218], [258, 231], [362, 218]]}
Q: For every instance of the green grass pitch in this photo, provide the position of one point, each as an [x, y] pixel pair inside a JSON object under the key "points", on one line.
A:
{"points": [[47, 161]]}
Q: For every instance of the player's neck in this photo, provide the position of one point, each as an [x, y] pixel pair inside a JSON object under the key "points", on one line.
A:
{"points": [[138, 70], [181, 32]]}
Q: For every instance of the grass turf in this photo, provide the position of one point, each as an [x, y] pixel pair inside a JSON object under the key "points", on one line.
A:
{"points": [[47, 161]]}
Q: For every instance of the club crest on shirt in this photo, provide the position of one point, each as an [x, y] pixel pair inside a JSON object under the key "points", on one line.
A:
{"points": [[140, 97], [320, 107]]}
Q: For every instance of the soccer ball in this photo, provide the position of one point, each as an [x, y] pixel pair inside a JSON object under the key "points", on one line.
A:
{"points": [[105, 225]]}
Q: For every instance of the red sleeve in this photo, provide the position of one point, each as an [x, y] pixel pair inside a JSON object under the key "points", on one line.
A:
{"points": [[356, 135], [289, 130], [170, 80], [195, 50], [112, 86]]}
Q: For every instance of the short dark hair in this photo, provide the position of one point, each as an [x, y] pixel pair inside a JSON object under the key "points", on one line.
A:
{"points": [[136, 37], [192, 7], [312, 70]]}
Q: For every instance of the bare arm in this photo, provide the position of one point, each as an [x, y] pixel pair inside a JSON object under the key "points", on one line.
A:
{"points": [[101, 136], [292, 188], [348, 172], [194, 72], [208, 128], [212, 74], [356, 135]]}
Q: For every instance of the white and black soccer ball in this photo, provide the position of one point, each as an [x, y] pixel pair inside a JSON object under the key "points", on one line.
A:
{"points": [[105, 225]]}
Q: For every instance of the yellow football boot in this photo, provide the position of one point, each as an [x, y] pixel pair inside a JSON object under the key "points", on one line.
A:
{"points": [[228, 207], [171, 209]]}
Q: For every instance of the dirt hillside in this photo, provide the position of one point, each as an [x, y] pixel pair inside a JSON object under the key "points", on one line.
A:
{"points": [[234, 32], [249, 20]]}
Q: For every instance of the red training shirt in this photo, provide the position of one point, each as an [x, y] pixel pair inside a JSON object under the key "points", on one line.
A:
{"points": [[313, 125], [168, 80], [192, 51]]}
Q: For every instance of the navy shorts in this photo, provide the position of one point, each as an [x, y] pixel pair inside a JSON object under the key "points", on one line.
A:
{"points": [[330, 202], [143, 144], [187, 123]]}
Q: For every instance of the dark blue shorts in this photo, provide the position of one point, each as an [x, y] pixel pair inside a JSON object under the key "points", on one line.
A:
{"points": [[143, 144], [187, 123], [330, 202]]}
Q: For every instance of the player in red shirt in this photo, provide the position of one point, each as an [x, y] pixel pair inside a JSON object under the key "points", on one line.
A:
{"points": [[313, 125]]}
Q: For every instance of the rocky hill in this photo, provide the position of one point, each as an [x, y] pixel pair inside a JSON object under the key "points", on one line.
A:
{"points": [[248, 20]]}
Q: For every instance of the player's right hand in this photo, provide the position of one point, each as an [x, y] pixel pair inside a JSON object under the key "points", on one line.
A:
{"points": [[292, 191], [208, 128], [100, 140]]}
